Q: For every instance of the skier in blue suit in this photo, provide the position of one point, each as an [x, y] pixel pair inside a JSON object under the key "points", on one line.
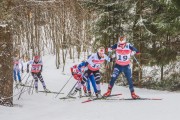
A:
{"points": [[91, 79]]}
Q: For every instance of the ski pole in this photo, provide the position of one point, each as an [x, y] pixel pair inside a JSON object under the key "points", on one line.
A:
{"points": [[137, 62], [23, 87], [107, 65], [24, 76], [72, 89], [63, 87]]}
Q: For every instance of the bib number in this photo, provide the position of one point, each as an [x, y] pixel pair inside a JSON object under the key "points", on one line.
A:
{"points": [[122, 57], [96, 66]]}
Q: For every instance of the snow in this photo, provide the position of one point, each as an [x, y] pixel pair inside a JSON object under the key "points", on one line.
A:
{"points": [[40, 106], [3, 25]]}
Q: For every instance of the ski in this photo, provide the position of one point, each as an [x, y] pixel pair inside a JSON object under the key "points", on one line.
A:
{"points": [[139, 99], [68, 97], [133, 99], [23, 85], [103, 98], [50, 92], [83, 96]]}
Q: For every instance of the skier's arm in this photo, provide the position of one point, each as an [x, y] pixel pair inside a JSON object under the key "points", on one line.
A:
{"points": [[28, 63], [86, 64], [22, 70], [81, 65], [90, 59], [112, 48], [108, 58], [41, 63], [134, 49]]}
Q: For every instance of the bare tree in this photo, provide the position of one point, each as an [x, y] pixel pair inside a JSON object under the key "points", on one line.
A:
{"points": [[6, 79]]}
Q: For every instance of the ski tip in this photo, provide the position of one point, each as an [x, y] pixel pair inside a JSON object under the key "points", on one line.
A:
{"points": [[157, 99], [86, 101]]}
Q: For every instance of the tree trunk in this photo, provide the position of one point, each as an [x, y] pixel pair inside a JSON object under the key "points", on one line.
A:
{"points": [[162, 67], [6, 79]]}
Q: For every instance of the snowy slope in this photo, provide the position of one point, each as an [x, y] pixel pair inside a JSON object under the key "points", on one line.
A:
{"points": [[46, 107]]}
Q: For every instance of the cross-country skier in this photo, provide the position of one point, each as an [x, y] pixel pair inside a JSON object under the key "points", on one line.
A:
{"points": [[36, 69], [81, 67], [91, 79], [94, 64], [18, 66], [124, 51], [76, 73]]}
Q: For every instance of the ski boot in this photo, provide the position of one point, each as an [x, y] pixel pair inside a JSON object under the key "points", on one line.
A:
{"points": [[98, 95], [16, 83], [46, 90], [36, 89], [99, 91], [75, 92], [21, 84], [108, 93], [134, 96], [89, 93], [80, 93], [85, 94]]}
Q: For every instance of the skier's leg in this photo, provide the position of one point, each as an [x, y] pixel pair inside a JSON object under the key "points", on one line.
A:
{"points": [[78, 88], [88, 93], [128, 74], [85, 77], [97, 77], [35, 81], [93, 82], [42, 81], [88, 84], [117, 70], [14, 75], [19, 77]]}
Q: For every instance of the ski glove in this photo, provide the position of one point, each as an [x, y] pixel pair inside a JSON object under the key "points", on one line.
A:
{"points": [[133, 53], [114, 55], [109, 49]]}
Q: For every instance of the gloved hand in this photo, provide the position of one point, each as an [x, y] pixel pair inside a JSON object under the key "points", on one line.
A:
{"points": [[72, 73], [22, 71], [109, 49], [114, 55], [85, 69], [133, 53]]}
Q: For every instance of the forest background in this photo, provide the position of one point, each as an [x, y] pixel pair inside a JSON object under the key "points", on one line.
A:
{"points": [[64, 27]]}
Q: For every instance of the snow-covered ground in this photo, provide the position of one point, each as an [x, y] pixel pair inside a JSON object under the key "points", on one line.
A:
{"points": [[40, 106]]}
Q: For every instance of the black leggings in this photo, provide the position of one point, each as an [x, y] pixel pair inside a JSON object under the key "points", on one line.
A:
{"points": [[88, 72]]}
